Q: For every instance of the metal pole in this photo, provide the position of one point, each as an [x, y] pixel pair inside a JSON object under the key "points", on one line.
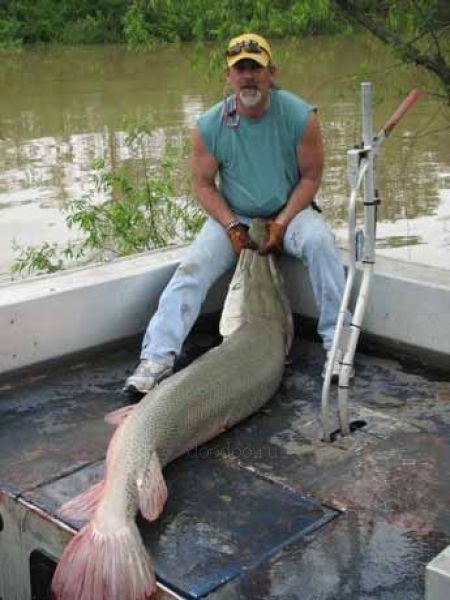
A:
{"points": [[368, 256], [370, 200]]}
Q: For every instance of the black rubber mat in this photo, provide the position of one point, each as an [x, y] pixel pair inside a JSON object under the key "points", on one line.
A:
{"points": [[221, 520]]}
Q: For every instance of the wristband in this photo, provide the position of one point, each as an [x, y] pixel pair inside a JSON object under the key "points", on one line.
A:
{"points": [[232, 224]]}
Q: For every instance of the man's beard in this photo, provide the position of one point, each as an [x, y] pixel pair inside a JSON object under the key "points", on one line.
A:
{"points": [[250, 96]]}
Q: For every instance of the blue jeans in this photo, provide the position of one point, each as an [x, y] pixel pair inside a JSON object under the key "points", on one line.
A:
{"points": [[307, 237]]}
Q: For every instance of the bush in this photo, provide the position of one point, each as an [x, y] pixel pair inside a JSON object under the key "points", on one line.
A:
{"points": [[87, 30], [145, 208], [9, 33]]}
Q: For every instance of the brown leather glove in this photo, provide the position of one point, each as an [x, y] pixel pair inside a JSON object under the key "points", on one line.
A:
{"points": [[239, 238], [274, 238]]}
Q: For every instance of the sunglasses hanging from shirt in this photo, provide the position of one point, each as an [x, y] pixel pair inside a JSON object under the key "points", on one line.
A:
{"points": [[230, 115]]}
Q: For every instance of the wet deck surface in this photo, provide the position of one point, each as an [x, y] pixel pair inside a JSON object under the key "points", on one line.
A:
{"points": [[266, 510]]}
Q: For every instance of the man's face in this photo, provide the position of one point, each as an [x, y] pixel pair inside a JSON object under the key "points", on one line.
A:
{"points": [[250, 81]]}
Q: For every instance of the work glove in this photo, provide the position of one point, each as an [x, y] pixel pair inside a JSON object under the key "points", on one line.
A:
{"points": [[274, 238], [239, 237]]}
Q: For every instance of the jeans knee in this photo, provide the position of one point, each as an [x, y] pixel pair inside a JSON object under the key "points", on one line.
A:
{"points": [[196, 272], [189, 268], [189, 273]]}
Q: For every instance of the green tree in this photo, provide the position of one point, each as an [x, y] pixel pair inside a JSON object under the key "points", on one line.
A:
{"points": [[417, 30], [83, 21], [145, 21]]}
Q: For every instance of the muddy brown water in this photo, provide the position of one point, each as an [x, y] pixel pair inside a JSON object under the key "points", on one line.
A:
{"points": [[62, 107]]}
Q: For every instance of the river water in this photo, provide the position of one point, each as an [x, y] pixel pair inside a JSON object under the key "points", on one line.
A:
{"points": [[62, 107]]}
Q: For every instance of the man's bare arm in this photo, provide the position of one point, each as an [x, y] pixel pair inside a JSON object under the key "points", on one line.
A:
{"points": [[310, 162], [204, 169]]}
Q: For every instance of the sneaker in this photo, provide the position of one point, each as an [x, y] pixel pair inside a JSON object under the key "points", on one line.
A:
{"points": [[146, 376], [336, 367]]}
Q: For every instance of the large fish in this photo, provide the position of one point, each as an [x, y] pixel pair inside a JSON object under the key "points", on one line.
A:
{"points": [[106, 559]]}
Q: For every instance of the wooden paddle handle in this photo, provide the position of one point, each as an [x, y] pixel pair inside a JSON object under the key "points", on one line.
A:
{"points": [[407, 103]]}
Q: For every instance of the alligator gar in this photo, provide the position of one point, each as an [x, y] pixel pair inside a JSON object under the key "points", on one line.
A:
{"points": [[106, 559]]}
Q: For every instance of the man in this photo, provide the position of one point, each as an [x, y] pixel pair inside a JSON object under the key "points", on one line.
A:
{"points": [[266, 145]]}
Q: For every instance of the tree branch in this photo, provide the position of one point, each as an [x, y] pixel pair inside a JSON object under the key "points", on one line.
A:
{"points": [[436, 63], [430, 29]]}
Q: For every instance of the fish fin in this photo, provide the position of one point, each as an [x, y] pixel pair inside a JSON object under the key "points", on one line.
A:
{"points": [[234, 313], [118, 416], [152, 490], [83, 506], [104, 566], [289, 329]]}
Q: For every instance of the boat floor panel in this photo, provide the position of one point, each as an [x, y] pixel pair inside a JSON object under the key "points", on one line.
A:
{"points": [[218, 535]]}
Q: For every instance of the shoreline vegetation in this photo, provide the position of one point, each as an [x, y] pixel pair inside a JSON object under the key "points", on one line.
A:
{"points": [[146, 22]]}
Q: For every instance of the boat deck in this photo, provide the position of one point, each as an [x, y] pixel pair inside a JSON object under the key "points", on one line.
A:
{"points": [[267, 510]]}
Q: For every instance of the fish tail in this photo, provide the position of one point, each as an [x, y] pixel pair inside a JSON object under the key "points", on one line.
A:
{"points": [[104, 566], [117, 417], [83, 506]]}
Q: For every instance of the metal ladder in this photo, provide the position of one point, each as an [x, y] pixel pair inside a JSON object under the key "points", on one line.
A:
{"points": [[360, 173]]}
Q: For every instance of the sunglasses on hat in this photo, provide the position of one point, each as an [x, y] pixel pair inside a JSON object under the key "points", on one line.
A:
{"points": [[246, 46]]}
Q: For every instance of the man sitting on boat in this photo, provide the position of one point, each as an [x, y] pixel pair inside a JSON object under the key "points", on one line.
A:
{"points": [[266, 145]]}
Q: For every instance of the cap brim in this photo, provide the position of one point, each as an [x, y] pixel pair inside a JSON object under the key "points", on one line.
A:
{"points": [[261, 58]]}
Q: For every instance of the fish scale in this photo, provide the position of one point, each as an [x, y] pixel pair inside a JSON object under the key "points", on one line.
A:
{"points": [[222, 387]]}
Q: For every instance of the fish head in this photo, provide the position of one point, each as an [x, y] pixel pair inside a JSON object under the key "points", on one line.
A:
{"points": [[258, 231], [257, 291]]}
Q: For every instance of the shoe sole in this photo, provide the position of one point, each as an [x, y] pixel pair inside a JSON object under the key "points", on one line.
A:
{"points": [[135, 390], [131, 390]]}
